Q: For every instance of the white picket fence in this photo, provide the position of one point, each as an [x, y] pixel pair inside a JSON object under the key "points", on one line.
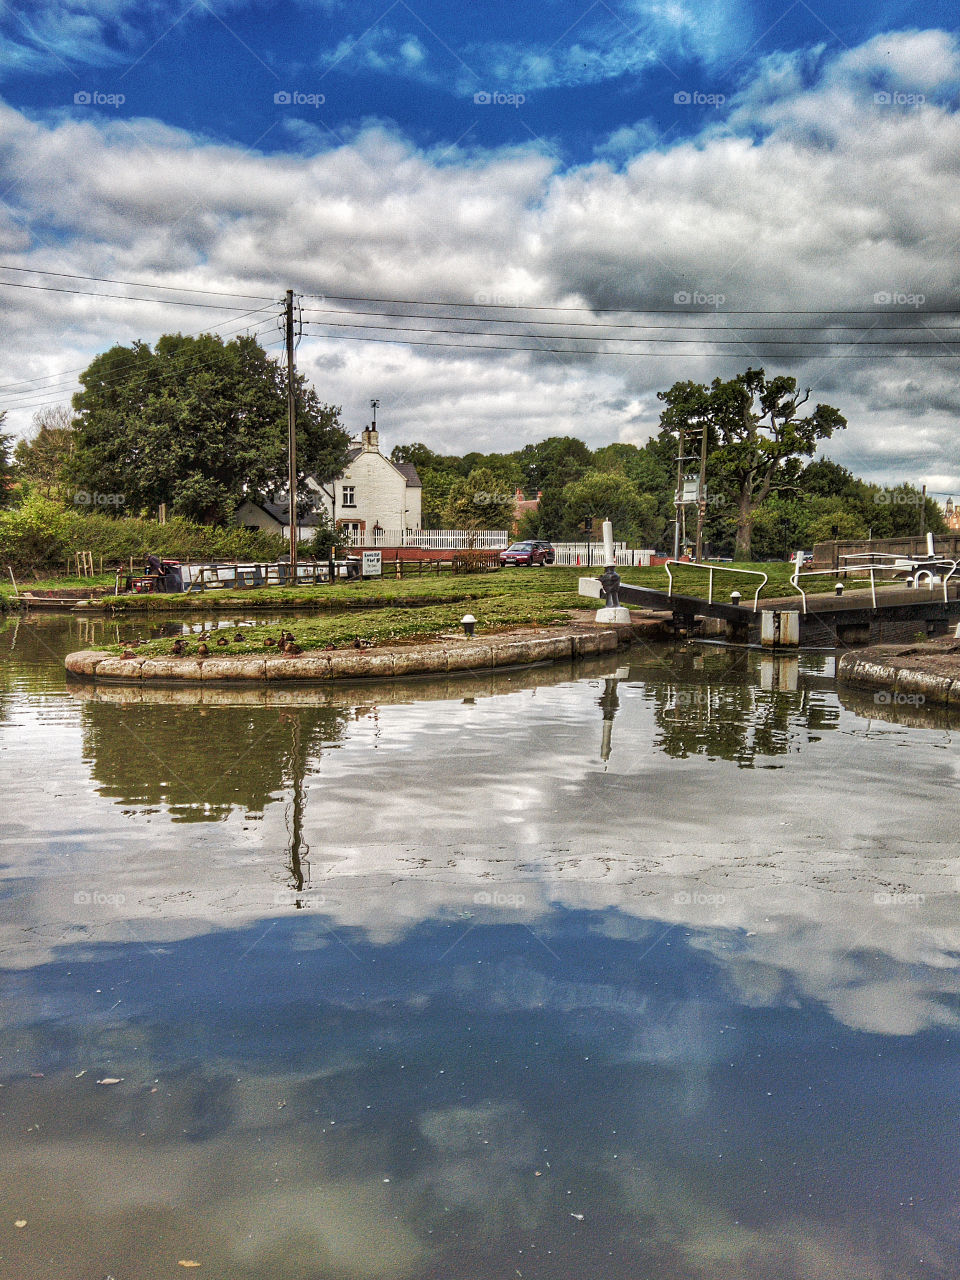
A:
{"points": [[443, 539], [590, 555]]}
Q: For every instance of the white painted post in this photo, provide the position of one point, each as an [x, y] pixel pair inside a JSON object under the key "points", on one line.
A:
{"points": [[609, 557]]}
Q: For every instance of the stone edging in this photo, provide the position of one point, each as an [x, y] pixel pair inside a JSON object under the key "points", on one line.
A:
{"points": [[506, 649], [898, 676]]}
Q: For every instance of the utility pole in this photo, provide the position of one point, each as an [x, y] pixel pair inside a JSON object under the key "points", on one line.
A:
{"points": [[291, 438], [678, 499], [701, 492]]}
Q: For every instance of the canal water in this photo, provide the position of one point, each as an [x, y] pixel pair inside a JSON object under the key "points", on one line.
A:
{"points": [[642, 968]]}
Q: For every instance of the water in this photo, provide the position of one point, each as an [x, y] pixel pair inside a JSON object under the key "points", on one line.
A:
{"points": [[642, 969]]}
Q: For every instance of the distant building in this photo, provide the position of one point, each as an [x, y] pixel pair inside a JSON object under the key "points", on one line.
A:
{"points": [[375, 500], [274, 517], [951, 514], [523, 506]]}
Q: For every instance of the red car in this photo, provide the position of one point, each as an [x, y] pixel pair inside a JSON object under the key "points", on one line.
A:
{"points": [[527, 553]]}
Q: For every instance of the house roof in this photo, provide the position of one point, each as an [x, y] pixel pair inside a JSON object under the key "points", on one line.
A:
{"points": [[406, 469], [281, 512]]}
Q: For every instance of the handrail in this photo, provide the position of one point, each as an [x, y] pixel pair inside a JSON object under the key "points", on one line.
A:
{"points": [[872, 569], [698, 564], [917, 564]]}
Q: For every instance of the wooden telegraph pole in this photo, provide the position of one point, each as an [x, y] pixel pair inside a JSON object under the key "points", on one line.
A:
{"points": [[291, 438]]}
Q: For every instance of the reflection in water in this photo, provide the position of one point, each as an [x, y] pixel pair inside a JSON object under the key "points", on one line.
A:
{"points": [[711, 703], [200, 762], [522, 974]]}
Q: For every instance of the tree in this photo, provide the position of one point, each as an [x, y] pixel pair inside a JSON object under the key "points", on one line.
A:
{"points": [[753, 432], [552, 463], [610, 495], [198, 424], [42, 459], [479, 501], [6, 465]]}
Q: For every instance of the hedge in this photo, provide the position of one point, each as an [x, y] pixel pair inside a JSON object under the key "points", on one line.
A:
{"points": [[41, 535]]}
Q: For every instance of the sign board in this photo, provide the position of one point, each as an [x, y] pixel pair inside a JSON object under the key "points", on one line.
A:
{"points": [[372, 566]]}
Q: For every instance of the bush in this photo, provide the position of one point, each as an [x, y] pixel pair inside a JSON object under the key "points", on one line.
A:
{"points": [[39, 536]]}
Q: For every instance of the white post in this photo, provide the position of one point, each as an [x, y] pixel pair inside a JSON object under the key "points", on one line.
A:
{"points": [[929, 543], [609, 557]]}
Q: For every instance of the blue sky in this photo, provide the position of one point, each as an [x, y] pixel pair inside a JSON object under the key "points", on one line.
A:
{"points": [[788, 156]]}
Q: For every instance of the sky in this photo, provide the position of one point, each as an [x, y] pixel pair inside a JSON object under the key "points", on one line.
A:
{"points": [[731, 183]]}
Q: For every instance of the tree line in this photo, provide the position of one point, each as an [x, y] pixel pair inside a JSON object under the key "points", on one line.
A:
{"points": [[199, 424]]}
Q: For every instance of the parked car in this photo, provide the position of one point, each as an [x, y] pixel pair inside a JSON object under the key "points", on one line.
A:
{"points": [[528, 553]]}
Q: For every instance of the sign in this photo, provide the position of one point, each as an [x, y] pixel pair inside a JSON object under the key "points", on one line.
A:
{"points": [[372, 566], [690, 491]]}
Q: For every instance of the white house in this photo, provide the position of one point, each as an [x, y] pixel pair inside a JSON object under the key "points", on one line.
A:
{"points": [[274, 517], [375, 500]]}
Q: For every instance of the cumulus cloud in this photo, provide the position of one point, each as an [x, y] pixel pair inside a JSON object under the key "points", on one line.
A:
{"points": [[808, 195]]}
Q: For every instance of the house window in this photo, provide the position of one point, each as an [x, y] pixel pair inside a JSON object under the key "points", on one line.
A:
{"points": [[349, 497]]}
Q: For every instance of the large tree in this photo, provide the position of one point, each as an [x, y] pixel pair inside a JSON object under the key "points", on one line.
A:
{"points": [[198, 424], [42, 459], [481, 500], [754, 432]]}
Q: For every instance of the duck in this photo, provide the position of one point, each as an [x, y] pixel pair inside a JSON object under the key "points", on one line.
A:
{"points": [[269, 642], [129, 653], [363, 644], [179, 647], [292, 648], [222, 640], [238, 638], [204, 635], [202, 650]]}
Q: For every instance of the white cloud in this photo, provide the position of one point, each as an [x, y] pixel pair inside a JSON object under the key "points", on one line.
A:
{"points": [[809, 196]]}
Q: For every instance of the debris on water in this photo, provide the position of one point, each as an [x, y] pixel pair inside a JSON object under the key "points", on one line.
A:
{"points": [[578, 1216], [187, 1262], [111, 1080], [20, 1222]]}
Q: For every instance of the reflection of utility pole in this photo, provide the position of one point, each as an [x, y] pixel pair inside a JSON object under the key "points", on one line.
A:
{"points": [[299, 861]]}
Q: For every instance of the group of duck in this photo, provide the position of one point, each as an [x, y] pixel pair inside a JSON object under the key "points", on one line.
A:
{"points": [[286, 643]]}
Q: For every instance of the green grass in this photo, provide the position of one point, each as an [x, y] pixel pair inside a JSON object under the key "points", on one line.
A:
{"points": [[383, 625], [99, 580]]}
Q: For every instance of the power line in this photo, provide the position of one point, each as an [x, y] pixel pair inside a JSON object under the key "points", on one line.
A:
{"points": [[640, 311], [567, 351], [123, 297], [602, 325], [718, 342], [140, 284]]}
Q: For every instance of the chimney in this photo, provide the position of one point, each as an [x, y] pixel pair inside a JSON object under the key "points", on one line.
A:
{"points": [[370, 440]]}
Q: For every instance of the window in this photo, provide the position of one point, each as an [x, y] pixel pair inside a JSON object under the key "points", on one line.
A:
{"points": [[349, 496]]}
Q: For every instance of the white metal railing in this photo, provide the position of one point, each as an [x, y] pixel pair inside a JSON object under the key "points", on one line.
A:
{"points": [[870, 563], [719, 568], [572, 554], [438, 539]]}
